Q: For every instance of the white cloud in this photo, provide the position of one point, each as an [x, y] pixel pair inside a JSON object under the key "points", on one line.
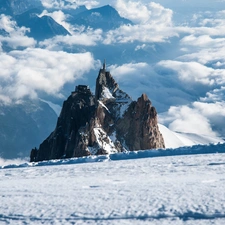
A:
{"points": [[206, 31], [188, 120], [202, 41], [147, 33], [139, 47], [212, 110], [141, 13], [60, 18], [7, 24], [177, 86], [201, 68], [131, 75], [16, 36], [28, 72], [87, 38], [153, 23], [190, 85], [204, 49], [133, 10], [215, 57], [215, 95], [68, 4], [194, 72], [199, 117], [5, 99], [127, 69], [162, 89], [15, 41]]}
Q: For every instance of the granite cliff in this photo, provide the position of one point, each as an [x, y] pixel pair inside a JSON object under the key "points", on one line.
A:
{"points": [[104, 123]]}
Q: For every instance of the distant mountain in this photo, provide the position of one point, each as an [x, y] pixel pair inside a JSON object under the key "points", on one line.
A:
{"points": [[5, 7], [72, 13], [105, 17], [26, 12], [23, 126], [40, 27], [17, 7], [21, 6]]}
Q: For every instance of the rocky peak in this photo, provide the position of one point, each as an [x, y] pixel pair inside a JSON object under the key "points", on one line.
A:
{"points": [[145, 105], [106, 86], [108, 92], [143, 98], [140, 126], [104, 123]]}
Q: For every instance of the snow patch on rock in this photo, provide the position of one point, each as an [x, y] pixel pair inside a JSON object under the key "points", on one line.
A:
{"points": [[104, 142], [106, 94]]}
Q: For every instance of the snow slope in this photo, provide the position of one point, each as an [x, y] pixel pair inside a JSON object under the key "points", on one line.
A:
{"points": [[175, 140], [162, 190]]}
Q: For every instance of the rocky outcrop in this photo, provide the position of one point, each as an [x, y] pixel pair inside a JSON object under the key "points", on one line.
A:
{"points": [[138, 128], [104, 123]]}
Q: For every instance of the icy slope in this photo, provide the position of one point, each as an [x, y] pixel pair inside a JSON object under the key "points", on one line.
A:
{"points": [[165, 190], [175, 140]]}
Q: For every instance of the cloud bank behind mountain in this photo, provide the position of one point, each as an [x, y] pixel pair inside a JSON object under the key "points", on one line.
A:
{"points": [[185, 82]]}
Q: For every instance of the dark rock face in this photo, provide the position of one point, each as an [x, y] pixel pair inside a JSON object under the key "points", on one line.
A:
{"points": [[77, 111], [139, 125], [104, 123]]}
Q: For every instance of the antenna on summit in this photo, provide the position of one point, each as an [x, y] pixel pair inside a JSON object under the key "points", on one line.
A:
{"points": [[104, 65]]}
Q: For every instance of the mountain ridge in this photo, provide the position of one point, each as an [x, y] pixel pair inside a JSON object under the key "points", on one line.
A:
{"points": [[105, 17], [22, 125]]}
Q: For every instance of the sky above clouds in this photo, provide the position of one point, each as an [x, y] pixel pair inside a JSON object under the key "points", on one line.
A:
{"points": [[187, 87]]}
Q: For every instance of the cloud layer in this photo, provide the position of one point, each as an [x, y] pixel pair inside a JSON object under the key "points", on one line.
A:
{"points": [[28, 72], [14, 36], [152, 21], [68, 4], [187, 84]]}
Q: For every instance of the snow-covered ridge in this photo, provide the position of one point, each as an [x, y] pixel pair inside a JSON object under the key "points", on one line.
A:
{"points": [[197, 149], [104, 141], [176, 140]]}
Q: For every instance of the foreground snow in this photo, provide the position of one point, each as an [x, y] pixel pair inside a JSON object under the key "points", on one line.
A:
{"points": [[153, 190]]}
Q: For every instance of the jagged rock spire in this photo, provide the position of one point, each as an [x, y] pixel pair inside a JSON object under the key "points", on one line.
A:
{"points": [[87, 123], [103, 81]]}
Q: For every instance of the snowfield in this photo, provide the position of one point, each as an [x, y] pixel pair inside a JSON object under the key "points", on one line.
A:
{"points": [[174, 189]]}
